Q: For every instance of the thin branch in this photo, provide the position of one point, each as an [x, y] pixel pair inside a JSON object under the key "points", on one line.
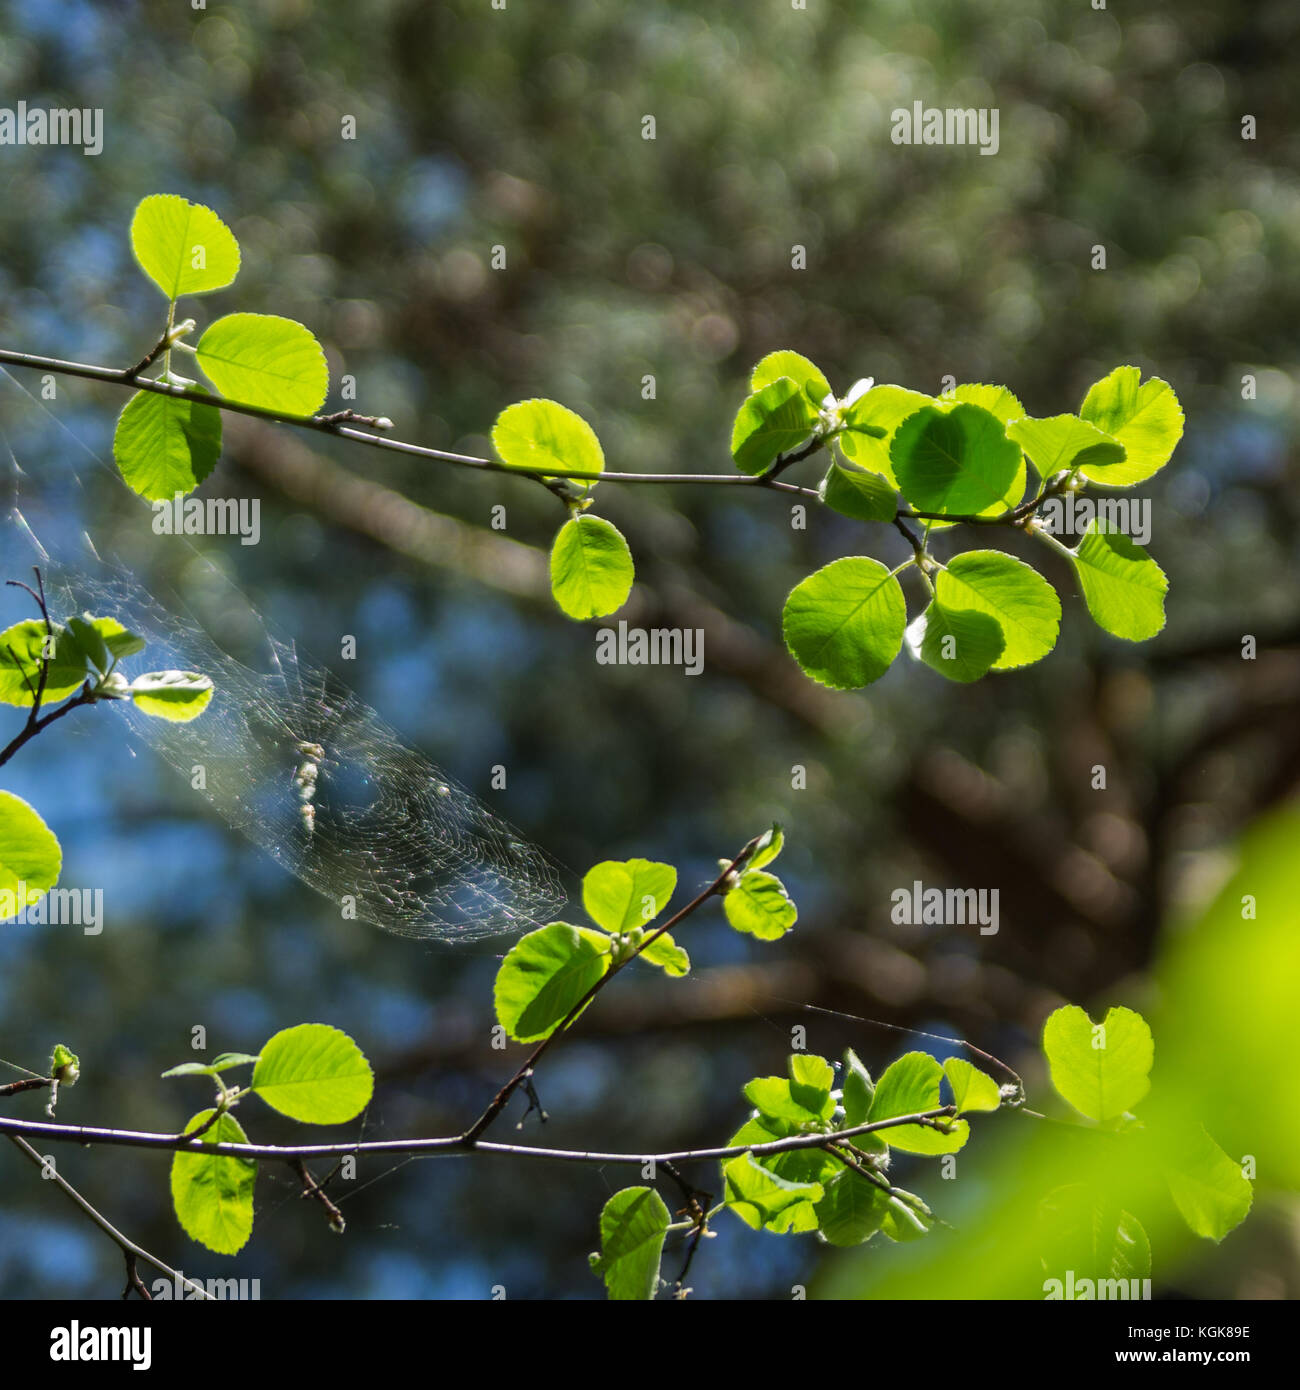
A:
{"points": [[129, 1248]]}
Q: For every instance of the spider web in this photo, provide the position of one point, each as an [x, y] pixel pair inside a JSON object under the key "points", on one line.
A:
{"points": [[394, 836]]}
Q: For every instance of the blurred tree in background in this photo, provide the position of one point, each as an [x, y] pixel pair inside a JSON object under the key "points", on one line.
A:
{"points": [[672, 257]]}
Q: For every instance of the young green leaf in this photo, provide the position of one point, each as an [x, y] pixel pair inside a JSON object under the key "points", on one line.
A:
{"points": [[859, 1089], [958, 460], [769, 846], [854, 492], [797, 1165], [314, 1073], [90, 641], [633, 1224], [1065, 441], [544, 975], [852, 1209], [213, 1195], [960, 643], [1101, 1069], [775, 1099], [972, 1089], [910, 1086], [1146, 419], [30, 856], [591, 568], [265, 360], [882, 408], [759, 1197], [1208, 1188], [163, 445], [906, 1218], [183, 247], [759, 906], [620, 895], [1023, 602], [665, 953], [1122, 585], [799, 369], [66, 673], [545, 437], [771, 422], [997, 400], [177, 696], [844, 624], [811, 1079]]}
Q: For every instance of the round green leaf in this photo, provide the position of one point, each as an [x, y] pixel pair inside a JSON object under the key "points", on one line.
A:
{"points": [[910, 1086], [960, 643], [957, 460], [1210, 1191], [853, 492], [1122, 585], [1065, 441], [1103, 1070], [844, 624], [799, 369], [1023, 602], [164, 446], [997, 400], [884, 408], [24, 643], [544, 975], [265, 360], [1146, 419], [972, 1089], [30, 856], [591, 567], [314, 1073], [548, 438], [178, 696], [665, 953], [183, 247], [213, 1196], [771, 422], [759, 906], [633, 1224], [620, 895]]}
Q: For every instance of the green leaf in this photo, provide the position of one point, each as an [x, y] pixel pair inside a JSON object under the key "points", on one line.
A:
{"points": [[90, 641], [1122, 585], [622, 894], [548, 438], [190, 1069], [771, 844], [212, 1068], [1208, 1188], [234, 1059], [163, 445], [972, 1089], [633, 1224], [997, 400], [183, 247], [809, 1165], [774, 1098], [910, 1086], [544, 975], [1146, 419], [759, 906], [67, 671], [958, 460], [30, 856], [811, 1079], [265, 360], [799, 369], [759, 1197], [883, 408], [844, 624], [859, 1089], [1082, 1231], [664, 952], [1023, 602], [591, 568], [771, 422], [213, 1196], [960, 643], [855, 493], [177, 696], [314, 1073], [1065, 441], [1101, 1069], [907, 1218], [852, 1209]]}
